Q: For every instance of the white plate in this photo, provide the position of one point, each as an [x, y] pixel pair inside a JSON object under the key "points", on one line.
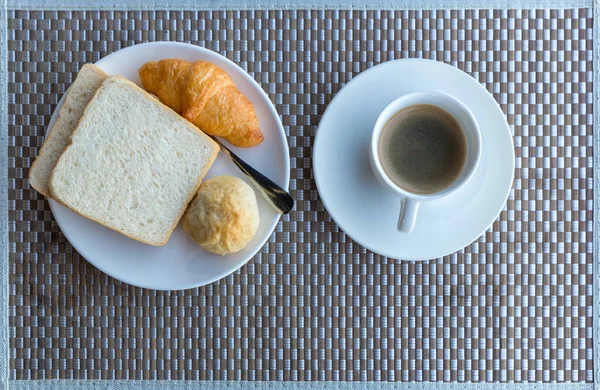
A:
{"points": [[181, 263], [368, 212]]}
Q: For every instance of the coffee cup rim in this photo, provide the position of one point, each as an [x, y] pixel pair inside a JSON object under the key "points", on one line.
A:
{"points": [[423, 97]]}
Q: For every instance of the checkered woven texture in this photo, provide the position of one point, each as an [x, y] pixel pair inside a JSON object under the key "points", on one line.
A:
{"points": [[516, 305]]}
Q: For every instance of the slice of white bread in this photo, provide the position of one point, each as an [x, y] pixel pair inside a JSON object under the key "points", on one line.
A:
{"points": [[88, 80], [133, 164]]}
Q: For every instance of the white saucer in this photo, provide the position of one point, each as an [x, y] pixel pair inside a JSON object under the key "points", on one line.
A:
{"points": [[367, 211], [181, 263]]}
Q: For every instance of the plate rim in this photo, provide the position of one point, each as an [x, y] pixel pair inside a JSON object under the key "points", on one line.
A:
{"points": [[374, 68], [285, 185]]}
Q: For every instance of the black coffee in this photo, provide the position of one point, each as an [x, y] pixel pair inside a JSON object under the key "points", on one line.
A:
{"points": [[422, 149]]}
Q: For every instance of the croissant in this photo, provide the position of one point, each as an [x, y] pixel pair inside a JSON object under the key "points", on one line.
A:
{"points": [[205, 95]]}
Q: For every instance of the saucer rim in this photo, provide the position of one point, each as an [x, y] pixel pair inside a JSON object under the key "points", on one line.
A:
{"points": [[378, 67]]}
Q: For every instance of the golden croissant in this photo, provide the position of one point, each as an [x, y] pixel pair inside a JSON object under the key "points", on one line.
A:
{"points": [[205, 95]]}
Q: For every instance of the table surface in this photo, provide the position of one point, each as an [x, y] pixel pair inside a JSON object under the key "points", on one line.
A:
{"points": [[516, 305]]}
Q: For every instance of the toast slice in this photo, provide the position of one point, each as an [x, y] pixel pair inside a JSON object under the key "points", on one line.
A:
{"points": [[133, 164], [81, 92]]}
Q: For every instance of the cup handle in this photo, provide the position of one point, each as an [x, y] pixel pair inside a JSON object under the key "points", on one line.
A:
{"points": [[408, 215]]}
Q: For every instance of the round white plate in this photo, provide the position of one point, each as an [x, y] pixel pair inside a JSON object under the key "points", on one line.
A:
{"points": [[181, 263], [367, 211]]}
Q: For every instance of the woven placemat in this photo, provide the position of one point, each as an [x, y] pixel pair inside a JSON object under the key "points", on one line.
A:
{"points": [[516, 305]]}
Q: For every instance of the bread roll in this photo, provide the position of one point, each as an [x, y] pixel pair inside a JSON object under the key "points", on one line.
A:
{"points": [[223, 217]]}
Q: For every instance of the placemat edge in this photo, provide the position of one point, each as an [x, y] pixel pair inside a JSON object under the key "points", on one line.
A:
{"points": [[64, 384], [4, 285], [596, 273], [209, 5], [235, 385]]}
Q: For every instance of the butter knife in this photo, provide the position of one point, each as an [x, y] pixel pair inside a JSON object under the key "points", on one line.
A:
{"points": [[277, 197]]}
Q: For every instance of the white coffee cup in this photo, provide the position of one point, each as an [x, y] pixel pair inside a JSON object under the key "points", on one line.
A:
{"points": [[409, 201]]}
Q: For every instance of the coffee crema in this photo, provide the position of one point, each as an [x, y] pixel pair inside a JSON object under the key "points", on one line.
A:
{"points": [[422, 149]]}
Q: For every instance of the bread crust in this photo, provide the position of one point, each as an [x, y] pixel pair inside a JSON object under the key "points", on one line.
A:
{"points": [[49, 137], [213, 156]]}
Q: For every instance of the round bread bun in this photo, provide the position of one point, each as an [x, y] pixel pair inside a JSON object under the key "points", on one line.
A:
{"points": [[223, 217]]}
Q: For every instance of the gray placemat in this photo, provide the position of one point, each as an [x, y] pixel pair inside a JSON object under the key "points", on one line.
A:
{"points": [[313, 305]]}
